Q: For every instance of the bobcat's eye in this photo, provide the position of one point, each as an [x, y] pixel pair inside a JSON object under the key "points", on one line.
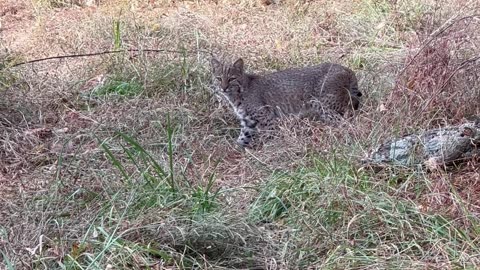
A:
{"points": [[233, 89], [232, 79], [218, 78]]}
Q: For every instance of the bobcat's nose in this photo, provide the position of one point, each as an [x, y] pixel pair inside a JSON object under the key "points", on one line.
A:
{"points": [[224, 85]]}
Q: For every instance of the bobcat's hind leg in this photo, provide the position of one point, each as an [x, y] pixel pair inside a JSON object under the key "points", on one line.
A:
{"points": [[327, 117]]}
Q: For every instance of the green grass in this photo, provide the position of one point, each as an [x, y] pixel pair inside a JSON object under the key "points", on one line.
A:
{"points": [[55, 3], [178, 77], [342, 218], [113, 224], [7, 76], [119, 87]]}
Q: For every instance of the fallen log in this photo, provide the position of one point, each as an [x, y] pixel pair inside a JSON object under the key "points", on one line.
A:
{"points": [[432, 148]]}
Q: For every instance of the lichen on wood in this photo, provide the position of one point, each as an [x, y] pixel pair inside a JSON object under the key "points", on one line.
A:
{"points": [[433, 148]]}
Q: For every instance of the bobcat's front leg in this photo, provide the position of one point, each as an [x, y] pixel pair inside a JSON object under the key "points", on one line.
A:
{"points": [[247, 131], [257, 121]]}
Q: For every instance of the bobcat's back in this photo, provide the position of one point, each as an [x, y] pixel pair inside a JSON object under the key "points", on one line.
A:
{"points": [[326, 86]]}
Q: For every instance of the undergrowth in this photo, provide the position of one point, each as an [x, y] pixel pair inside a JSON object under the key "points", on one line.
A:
{"points": [[343, 218], [143, 215], [127, 161]]}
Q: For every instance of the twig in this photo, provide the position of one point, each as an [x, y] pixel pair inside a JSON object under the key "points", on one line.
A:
{"points": [[462, 65], [105, 52], [449, 23], [444, 85]]}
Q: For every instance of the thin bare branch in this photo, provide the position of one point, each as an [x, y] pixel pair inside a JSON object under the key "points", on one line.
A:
{"points": [[106, 52]]}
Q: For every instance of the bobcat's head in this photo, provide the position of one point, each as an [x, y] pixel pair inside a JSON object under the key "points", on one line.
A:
{"points": [[230, 79]]}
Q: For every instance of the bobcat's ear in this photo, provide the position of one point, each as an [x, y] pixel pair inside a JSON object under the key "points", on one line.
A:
{"points": [[239, 64], [215, 64]]}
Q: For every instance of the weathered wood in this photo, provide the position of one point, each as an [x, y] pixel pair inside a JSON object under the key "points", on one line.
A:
{"points": [[433, 148]]}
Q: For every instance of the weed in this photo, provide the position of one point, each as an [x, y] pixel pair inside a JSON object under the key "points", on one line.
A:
{"points": [[119, 87], [117, 35], [7, 77], [58, 3]]}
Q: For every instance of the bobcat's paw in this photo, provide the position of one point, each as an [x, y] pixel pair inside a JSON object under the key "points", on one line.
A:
{"points": [[243, 141], [245, 137]]}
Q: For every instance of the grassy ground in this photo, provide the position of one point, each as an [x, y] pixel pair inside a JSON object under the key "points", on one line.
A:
{"points": [[128, 161]]}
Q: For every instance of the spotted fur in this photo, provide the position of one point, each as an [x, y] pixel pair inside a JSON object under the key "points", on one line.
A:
{"points": [[323, 92]]}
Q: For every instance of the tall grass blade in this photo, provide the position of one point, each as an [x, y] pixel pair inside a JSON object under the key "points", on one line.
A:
{"points": [[114, 160], [7, 262], [117, 43], [170, 135], [157, 167]]}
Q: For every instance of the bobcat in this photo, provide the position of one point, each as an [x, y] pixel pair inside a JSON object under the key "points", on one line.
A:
{"points": [[322, 92]]}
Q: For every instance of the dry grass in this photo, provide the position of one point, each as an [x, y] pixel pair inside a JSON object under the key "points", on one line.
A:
{"points": [[127, 161]]}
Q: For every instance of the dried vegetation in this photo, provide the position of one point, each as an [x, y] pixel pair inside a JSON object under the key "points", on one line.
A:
{"points": [[127, 161]]}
